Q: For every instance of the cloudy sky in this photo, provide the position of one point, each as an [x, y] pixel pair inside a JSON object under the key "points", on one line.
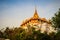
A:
{"points": [[13, 12]]}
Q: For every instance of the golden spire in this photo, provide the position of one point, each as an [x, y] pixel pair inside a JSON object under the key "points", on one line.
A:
{"points": [[35, 14]]}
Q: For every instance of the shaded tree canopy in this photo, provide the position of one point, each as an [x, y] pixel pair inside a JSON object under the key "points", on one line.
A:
{"points": [[56, 20]]}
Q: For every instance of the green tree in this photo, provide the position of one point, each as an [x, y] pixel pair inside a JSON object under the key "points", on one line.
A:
{"points": [[56, 24], [1, 34], [6, 32], [56, 20], [57, 36]]}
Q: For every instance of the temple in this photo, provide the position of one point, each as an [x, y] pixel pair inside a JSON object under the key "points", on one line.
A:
{"points": [[37, 22]]}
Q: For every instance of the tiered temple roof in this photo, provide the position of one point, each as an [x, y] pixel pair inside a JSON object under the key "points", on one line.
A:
{"points": [[35, 17]]}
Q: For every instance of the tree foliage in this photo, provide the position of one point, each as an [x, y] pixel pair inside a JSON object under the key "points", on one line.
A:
{"points": [[56, 20], [22, 34]]}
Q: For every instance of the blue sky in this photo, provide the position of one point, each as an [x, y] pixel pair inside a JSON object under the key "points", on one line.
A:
{"points": [[13, 12]]}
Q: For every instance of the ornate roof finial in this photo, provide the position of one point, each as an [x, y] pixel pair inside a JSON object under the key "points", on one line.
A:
{"points": [[35, 13]]}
